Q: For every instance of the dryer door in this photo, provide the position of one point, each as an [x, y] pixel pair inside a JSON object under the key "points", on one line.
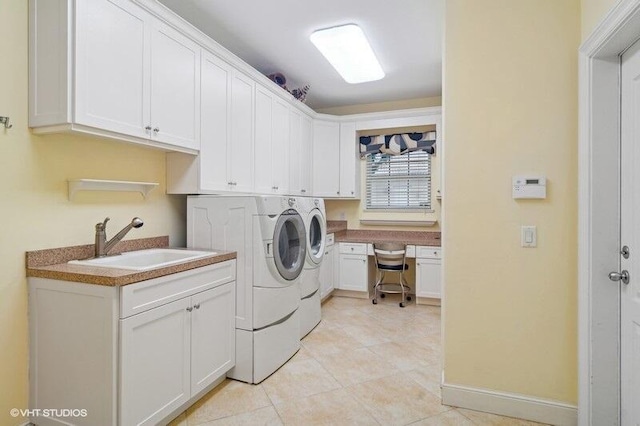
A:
{"points": [[289, 245], [315, 236]]}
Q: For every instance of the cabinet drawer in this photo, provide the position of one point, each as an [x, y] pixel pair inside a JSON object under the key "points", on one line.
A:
{"points": [[330, 239], [427, 252], [136, 298], [353, 248]]}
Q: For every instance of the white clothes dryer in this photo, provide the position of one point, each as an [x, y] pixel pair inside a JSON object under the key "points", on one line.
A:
{"points": [[268, 236], [313, 211]]}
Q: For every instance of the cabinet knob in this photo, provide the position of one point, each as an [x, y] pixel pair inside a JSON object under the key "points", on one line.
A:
{"points": [[156, 130], [196, 306], [351, 192], [338, 192], [189, 309], [303, 190], [147, 128]]}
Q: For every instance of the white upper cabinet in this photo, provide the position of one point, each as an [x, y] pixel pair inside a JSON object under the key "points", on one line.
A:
{"points": [[336, 171], [175, 87], [326, 152], [271, 143], [306, 160], [112, 73], [240, 148], [349, 162], [131, 77], [300, 161], [214, 119]]}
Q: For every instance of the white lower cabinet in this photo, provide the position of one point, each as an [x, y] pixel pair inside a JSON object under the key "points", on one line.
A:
{"points": [[133, 355], [428, 272], [327, 271], [353, 267]]}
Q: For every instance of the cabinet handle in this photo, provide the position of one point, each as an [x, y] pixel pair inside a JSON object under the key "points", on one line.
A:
{"points": [[351, 248], [147, 128], [189, 309], [338, 192], [196, 306], [351, 192], [364, 260], [303, 190], [156, 130]]}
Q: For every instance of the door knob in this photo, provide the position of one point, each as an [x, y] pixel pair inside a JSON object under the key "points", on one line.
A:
{"points": [[620, 276]]}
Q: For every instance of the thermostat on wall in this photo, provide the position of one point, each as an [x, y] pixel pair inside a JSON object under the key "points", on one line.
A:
{"points": [[529, 187]]}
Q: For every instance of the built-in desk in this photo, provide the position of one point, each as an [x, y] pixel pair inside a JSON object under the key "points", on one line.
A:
{"points": [[355, 270]]}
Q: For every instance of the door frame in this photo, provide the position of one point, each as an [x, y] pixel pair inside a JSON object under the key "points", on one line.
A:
{"points": [[599, 213]]}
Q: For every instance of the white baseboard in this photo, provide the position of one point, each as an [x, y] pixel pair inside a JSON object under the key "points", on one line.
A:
{"points": [[511, 405]]}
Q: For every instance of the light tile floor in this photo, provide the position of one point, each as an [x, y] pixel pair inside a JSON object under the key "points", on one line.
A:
{"points": [[364, 364]]}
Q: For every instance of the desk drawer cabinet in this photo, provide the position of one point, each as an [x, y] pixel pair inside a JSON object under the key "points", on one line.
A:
{"points": [[427, 252], [353, 248]]}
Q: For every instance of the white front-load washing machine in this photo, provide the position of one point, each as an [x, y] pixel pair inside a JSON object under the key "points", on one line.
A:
{"points": [[269, 237], [314, 215]]}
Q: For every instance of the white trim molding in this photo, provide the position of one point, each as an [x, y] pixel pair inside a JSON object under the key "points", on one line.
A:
{"points": [[510, 404], [599, 213]]}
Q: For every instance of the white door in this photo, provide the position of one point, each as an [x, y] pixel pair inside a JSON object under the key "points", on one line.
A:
{"points": [[349, 170], [326, 149], [353, 272], [263, 167], [241, 144], [214, 136], [280, 146], [112, 89], [306, 155], [630, 236], [295, 152], [428, 278], [154, 363], [213, 335], [175, 88]]}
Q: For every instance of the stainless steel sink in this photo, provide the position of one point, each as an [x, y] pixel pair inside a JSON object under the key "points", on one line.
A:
{"points": [[144, 260]]}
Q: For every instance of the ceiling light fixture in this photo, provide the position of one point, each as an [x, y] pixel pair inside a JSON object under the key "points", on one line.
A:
{"points": [[347, 49]]}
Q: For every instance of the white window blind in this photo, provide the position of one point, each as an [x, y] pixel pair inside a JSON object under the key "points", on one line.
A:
{"points": [[399, 181]]}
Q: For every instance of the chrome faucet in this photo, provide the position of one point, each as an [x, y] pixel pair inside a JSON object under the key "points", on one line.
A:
{"points": [[102, 245]]}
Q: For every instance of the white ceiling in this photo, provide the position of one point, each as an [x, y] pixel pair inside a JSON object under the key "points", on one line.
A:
{"points": [[273, 36]]}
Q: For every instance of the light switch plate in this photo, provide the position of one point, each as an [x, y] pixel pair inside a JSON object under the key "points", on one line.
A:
{"points": [[528, 236]]}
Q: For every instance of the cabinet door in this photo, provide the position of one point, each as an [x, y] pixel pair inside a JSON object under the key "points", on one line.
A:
{"points": [[154, 363], [212, 335], [326, 151], [175, 87], [241, 143], [353, 272], [326, 272], [215, 105], [264, 167], [428, 278], [112, 77], [349, 162], [280, 146], [306, 155], [295, 152]]}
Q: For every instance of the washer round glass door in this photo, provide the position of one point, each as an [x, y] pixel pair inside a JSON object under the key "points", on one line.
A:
{"points": [[289, 245], [315, 236]]}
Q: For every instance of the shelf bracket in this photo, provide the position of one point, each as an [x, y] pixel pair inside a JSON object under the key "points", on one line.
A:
{"points": [[5, 121]]}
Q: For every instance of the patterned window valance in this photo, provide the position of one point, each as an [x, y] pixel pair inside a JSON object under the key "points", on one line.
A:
{"points": [[398, 144]]}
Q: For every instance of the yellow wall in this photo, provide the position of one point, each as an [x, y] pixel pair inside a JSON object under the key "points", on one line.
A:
{"points": [[354, 210], [510, 101], [383, 106], [35, 211], [592, 12]]}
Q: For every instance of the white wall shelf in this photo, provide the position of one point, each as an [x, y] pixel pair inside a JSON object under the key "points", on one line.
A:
{"points": [[76, 185], [375, 222]]}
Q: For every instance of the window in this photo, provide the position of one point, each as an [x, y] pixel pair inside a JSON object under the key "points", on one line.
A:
{"points": [[399, 181]]}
